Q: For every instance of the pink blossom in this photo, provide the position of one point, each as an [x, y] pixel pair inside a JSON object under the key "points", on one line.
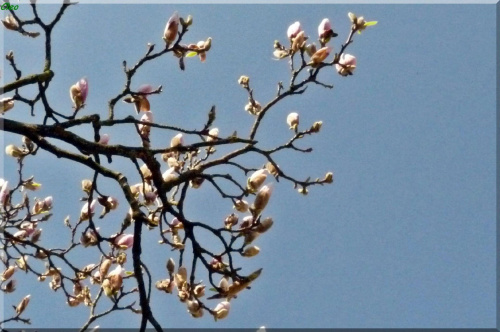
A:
{"points": [[170, 33], [293, 30], [104, 139], [48, 202], [324, 27], [346, 65], [145, 88], [84, 88], [124, 241]]}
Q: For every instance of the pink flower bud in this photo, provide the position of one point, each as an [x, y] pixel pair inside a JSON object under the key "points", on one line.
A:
{"points": [[293, 30], [86, 211], [104, 139], [145, 88], [176, 223], [324, 28], [78, 93], [170, 33], [143, 128], [48, 202], [84, 88], [124, 241], [346, 65]]}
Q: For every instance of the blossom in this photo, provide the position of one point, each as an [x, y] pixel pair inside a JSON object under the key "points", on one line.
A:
{"points": [[262, 199], [213, 134], [250, 251], [320, 56], [346, 65], [169, 175], [293, 120], [325, 31], [10, 23], [78, 93], [293, 30], [140, 101], [221, 310], [87, 210], [299, 41], [104, 139], [256, 180], [42, 206], [22, 305], [14, 151], [241, 205], [124, 241], [7, 273], [177, 140], [145, 129], [6, 104], [170, 33]]}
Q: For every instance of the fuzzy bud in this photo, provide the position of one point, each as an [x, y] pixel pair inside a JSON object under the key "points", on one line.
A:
{"points": [[250, 251]]}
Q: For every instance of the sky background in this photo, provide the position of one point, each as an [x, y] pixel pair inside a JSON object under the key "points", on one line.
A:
{"points": [[405, 237]]}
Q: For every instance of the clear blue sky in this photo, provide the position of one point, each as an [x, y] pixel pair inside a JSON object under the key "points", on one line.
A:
{"points": [[406, 235]]}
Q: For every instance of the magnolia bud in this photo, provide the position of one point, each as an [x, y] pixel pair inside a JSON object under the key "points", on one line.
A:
{"points": [[14, 151], [292, 120], [256, 180], [329, 177], [315, 128], [250, 251], [10, 286], [272, 169], [299, 42], [199, 291], [352, 17], [231, 221], [22, 305], [177, 140], [244, 81], [262, 199], [10, 23], [213, 134], [188, 21], [6, 104], [122, 258], [104, 268], [293, 30], [250, 237], [221, 310], [170, 33], [8, 272], [180, 277], [346, 64], [170, 266], [264, 225], [86, 186], [241, 205]]}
